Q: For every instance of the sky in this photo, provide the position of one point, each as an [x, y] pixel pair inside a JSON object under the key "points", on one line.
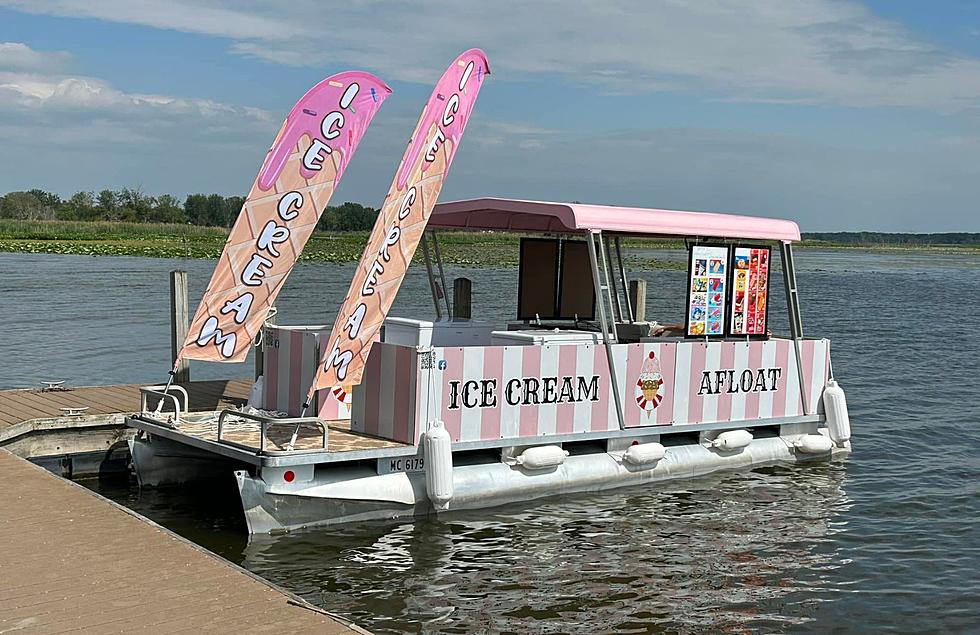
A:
{"points": [[841, 115]]}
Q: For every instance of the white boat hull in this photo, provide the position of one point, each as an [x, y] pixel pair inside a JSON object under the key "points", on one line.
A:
{"points": [[357, 494], [160, 462]]}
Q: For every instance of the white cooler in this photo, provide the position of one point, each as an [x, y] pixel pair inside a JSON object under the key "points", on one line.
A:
{"points": [[408, 332], [539, 337]]}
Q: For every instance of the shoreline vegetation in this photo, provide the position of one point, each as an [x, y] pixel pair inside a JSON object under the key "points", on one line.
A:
{"points": [[128, 222], [472, 248]]}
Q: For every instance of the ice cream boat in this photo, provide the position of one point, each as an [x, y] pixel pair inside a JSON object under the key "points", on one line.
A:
{"points": [[569, 394]]}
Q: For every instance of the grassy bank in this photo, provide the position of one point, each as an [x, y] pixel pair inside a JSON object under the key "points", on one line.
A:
{"points": [[888, 247], [159, 240]]}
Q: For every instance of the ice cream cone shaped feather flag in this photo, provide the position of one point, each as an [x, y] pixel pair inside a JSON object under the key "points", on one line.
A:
{"points": [[297, 179], [648, 384], [404, 214]]}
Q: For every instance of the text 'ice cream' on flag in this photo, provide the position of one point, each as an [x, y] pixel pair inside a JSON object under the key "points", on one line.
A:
{"points": [[404, 214], [294, 186]]}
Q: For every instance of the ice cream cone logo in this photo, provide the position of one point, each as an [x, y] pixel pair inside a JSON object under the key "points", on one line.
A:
{"points": [[649, 383], [343, 395]]}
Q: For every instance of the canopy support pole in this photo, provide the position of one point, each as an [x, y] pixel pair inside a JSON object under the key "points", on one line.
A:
{"points": [[795, 320], [609, 336]]}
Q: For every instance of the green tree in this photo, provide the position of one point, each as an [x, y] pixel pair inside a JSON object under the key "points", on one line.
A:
{"points": [[47, 199], [135, 206], [214, 211], [81, 206], [348, 217], [167, 210], [27, 206], [194, 209], [107, 203], [233, 206]]}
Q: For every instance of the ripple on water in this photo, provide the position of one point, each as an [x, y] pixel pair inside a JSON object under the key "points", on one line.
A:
{"points": [[729, 552]]}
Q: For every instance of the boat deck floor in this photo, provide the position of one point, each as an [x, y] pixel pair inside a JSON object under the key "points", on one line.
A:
{"points": [[246, 433]]}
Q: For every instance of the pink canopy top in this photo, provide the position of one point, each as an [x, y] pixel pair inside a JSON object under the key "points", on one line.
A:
{"points": [[539, 216]]}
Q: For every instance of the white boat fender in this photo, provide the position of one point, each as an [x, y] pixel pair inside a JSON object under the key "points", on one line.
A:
{"points": [[255, 394], [438, 451], [644, 453], [542, 457], [813, 444], [835, 408], [732, 440]]}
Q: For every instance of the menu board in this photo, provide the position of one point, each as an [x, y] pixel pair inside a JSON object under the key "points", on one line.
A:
{"points": [[707, 278], [750, 291]]}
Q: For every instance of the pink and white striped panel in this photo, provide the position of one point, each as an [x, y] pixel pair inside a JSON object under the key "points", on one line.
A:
{"points": [[383, 404], [496, 392], [291, 356], [735, 381], [336, 403], [815, 355]]}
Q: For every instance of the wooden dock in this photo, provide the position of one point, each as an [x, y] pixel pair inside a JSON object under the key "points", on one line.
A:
{"points": [[73, 561], [18, 406], [74, 426]]}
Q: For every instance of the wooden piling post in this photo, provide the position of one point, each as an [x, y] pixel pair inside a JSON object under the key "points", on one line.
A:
{"points": [[638, 299], [462, 299], [179, 322]]}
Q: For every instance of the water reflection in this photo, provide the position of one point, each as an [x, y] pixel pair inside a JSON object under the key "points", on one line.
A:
{"points": [[729, 553]]}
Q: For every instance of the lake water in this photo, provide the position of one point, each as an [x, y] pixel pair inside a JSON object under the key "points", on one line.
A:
{"points": [[887, 541]]}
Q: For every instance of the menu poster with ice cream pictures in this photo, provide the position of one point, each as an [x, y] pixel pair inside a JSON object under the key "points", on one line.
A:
{"points": [[706, 298], [750, 291]]}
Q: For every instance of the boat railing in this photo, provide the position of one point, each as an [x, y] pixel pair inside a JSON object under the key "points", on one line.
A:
{"points": [[264, 423], [164, 394]]}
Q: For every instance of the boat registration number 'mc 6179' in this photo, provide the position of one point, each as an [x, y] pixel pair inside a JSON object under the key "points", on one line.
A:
{"points": [[401, 464]]}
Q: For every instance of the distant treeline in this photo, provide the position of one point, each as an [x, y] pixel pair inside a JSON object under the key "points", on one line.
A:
{"points": [[215, 210], [896, 239], [132, 205]]}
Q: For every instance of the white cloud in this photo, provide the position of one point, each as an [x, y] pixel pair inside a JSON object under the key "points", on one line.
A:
{"points": [[16, 56], [191, 17], [39, 101], [820, 51], [822, 186]]}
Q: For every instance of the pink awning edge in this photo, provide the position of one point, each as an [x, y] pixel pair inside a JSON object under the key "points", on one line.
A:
{"points": [[542, 216]]}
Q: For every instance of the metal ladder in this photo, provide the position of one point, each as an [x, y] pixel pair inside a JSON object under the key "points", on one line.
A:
{"points": [[433, 283], [604, 290]]}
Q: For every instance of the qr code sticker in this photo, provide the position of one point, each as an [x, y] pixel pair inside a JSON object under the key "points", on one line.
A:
{"points": [[427, 360]]}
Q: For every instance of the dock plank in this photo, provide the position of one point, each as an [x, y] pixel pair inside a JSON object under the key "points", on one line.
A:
{"points": [[14, 412], [105, 569], [97, 403], [17, 406]]}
